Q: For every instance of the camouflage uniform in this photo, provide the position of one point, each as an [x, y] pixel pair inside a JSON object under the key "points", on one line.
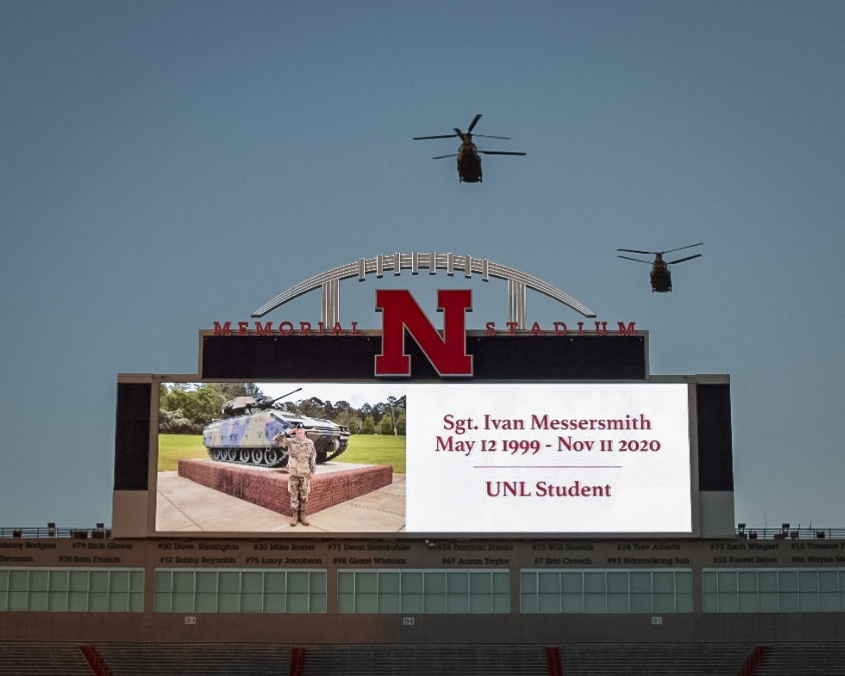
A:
{"points": [[302, 461]]}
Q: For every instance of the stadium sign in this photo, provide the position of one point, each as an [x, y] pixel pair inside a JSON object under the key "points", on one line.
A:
{"points": [[446, 349]]}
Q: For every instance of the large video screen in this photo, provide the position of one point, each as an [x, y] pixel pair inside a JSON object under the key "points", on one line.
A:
{"points": [[457, 458], [574, 458]]}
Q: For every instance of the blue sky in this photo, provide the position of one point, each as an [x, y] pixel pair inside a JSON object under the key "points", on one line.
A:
{"points": [[165, 165]]}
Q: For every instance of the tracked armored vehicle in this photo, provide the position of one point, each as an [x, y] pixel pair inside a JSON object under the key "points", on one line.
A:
{"points": [[245, 434]]}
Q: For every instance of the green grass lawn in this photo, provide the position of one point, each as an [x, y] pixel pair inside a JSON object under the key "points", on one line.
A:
{"points": [[367, 449], [372, 449], [174, 447]]}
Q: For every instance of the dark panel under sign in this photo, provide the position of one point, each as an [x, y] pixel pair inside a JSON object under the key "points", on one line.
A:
{"points": [[494, 357], [715, 438], [132, 437]]}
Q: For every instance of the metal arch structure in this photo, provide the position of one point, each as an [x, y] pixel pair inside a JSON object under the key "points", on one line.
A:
{"points": [[329, 282]]}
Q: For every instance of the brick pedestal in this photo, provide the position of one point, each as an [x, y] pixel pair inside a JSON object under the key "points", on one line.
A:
{"points": [[331, 485]]}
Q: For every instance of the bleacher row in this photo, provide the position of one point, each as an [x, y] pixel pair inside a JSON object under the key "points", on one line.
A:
{"points": [[700, 659]]}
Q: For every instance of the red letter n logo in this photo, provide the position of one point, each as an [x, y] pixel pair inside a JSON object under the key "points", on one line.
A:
{"points": [[400, 311]]}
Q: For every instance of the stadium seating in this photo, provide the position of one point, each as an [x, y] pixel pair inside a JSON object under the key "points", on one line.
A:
{"points": [[40, 659], [20, 658], [806, 659]]}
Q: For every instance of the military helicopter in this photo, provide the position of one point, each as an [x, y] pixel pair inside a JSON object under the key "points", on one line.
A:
{"points": [[469, 162], [661, 278]]}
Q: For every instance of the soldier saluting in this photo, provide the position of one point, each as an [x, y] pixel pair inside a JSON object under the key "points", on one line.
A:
{"points": [[302, 461]]}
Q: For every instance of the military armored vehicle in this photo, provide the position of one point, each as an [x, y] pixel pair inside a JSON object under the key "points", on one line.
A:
{"points": [[245, 433]]}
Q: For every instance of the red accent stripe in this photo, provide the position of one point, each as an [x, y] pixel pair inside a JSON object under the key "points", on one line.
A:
{"points": [[297, 662], [95, 660], [553, 663], [755, 660]]}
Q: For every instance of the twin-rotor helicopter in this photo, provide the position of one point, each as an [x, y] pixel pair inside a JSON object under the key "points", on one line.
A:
{"points": [[469, 171], [469, 160], [661, 277]]}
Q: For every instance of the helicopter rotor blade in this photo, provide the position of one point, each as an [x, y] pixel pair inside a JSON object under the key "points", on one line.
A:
{"points": [[440, 157], [638, 260], [461, 134], [636, 251], [499, 152], [681, 260], [680, 248]]}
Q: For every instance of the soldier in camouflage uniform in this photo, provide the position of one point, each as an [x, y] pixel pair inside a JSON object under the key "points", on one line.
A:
{"points": [[302, 461]]}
